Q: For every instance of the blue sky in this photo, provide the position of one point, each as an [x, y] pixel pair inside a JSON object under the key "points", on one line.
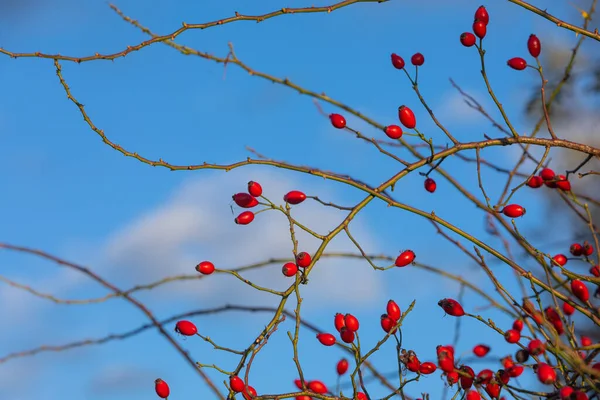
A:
{"points": [[69, 194]]}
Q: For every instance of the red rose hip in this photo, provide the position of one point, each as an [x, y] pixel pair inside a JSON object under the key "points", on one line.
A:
{"points": [[255, 189], [326, 339], [338, 121], [467, 39], [482, 15], [430, 185], [205, 268], [417, 59], [303, 259], [294, 197], [513, 211], [452, 307], [186, 328], [342, 366], [289, 269], [397, 61], [479, 29], [245, 200], [405, 258], [534, 46], [393, 131], [407, 117], [517, 63], [161, 388], [245, 218]]}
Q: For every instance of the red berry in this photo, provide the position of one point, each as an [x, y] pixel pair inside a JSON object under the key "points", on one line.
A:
{"points": [[161, 388], [576, 249], [245, 200], [580, 290], [515, 371], [562, 183], [484, 376], [427, 368], [479, 28], [517, 63], [397, 61], [493, 390], [387, 324], [339, 322], [205, 268], [337, 121], [507, 362], [298, 383], [547, 174], [417, 59], [560, 259], [595, 270], [536, 347], [467, 39], [588, 249], [393, 311], [236, 383], [534, 46], [294, 197], [535, 182], [361, 396], [351, 322], [518, 325], [513, 211], [430, 185], [586, 341], [303, 259], [245, 218], [473, 395], [512, 336], [445, 359], [467, 377], [342, 366], [347, 335], [566, 392], [326, 339], [407, 117], [405, 258], [411, 361], [317, 387], [481, 350], [546, 374], [393, 131], [568, 309], [482, 15], [186, 328], [452, 377], [254, 189], [502, 376], [249, 392], [452, 307], [289, 269]]}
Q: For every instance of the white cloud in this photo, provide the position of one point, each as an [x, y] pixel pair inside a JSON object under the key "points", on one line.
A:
{"points": [[196, 224], [453, 108]]}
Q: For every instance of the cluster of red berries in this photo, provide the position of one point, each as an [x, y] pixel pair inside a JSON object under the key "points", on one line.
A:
{"points": [[249, 200], [547, 177], [303, 260], [346, 325], [534, 46], [238, 386], [480, 23], [578, 288]]}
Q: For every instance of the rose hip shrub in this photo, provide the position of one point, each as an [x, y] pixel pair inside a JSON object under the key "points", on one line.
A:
{"points": [[535, 349]]}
